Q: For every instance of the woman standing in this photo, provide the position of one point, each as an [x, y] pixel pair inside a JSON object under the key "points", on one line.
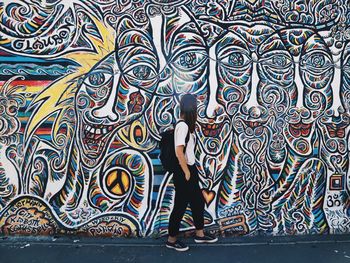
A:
{"points": [[186, 179]]}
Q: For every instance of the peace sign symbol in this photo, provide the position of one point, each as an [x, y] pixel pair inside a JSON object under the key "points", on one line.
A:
{"points": [[117, 182]]}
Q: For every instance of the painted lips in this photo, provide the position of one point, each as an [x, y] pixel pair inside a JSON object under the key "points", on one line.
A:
{"points": [[254, 124], [94, 138], [212, 130], [336, 130], [300, 129]]}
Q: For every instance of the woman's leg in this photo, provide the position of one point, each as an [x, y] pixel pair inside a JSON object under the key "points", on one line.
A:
{"points": [[180, 204], [196, 201]]}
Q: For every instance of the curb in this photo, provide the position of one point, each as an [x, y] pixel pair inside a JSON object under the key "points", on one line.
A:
{"points": [[152, 242]]}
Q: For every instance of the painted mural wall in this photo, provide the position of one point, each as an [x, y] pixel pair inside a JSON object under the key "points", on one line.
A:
{"points": [[87, 86]]}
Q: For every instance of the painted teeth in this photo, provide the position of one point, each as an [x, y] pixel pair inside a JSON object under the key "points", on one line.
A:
{"points": [[101, 130]]}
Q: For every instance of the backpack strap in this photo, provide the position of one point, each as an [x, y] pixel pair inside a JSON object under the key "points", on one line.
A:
{"points": [[187, 136]]}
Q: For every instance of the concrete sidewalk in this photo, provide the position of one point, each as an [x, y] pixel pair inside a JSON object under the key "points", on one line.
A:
{"points": [[320, 249]]}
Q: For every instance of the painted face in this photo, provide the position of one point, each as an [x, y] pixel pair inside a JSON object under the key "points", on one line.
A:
{"points": [[228, 73], [251, 76], [335, 122], [116, 91], [313, 79], [271, 83]]}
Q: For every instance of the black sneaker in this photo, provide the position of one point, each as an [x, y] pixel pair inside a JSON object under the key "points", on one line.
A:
{"points": [[178, 245], [206, 239]]}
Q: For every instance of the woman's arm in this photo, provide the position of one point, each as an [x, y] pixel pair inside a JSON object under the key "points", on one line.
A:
{"points": [[182, 160]]}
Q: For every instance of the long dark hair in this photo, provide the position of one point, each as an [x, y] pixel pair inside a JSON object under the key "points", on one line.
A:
{"points": [[188, 110]]}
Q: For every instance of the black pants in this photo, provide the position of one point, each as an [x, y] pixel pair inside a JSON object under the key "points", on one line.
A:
{"points": [[186, 192]]}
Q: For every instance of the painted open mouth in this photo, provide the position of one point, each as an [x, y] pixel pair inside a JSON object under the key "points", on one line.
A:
{"points": [[300, 129], [212, 130], [336, 130], [95, 137]]}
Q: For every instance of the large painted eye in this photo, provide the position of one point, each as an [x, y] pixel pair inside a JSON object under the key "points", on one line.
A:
{"points": [[97, 79], [189, 60], [236, 60], [141, 72], [278, 61], [317, 62]]}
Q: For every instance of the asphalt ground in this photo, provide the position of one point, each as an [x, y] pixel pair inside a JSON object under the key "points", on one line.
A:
{"points": [[298, 249]]}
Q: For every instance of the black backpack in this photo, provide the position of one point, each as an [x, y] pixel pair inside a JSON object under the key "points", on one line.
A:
{"points": [[167, 154]]}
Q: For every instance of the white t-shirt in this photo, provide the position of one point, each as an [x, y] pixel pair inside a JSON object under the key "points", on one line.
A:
{"points": [[181, 131]]}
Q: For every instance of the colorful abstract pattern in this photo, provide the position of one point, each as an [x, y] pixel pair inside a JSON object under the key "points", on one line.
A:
{"points": [[87, 87]]}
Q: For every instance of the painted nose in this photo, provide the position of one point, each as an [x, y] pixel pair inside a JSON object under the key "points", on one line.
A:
{"points": [[337, 106], [299, 84], [156, 22], [213, 108], [252, 105], [107, 110]]}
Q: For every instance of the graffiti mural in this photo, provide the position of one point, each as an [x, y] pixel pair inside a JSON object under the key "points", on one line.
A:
{"points": [[87, 87]]}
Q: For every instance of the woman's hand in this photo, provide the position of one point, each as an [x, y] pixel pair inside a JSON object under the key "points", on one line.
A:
{"points": [[182, 160], [188, 175]]}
